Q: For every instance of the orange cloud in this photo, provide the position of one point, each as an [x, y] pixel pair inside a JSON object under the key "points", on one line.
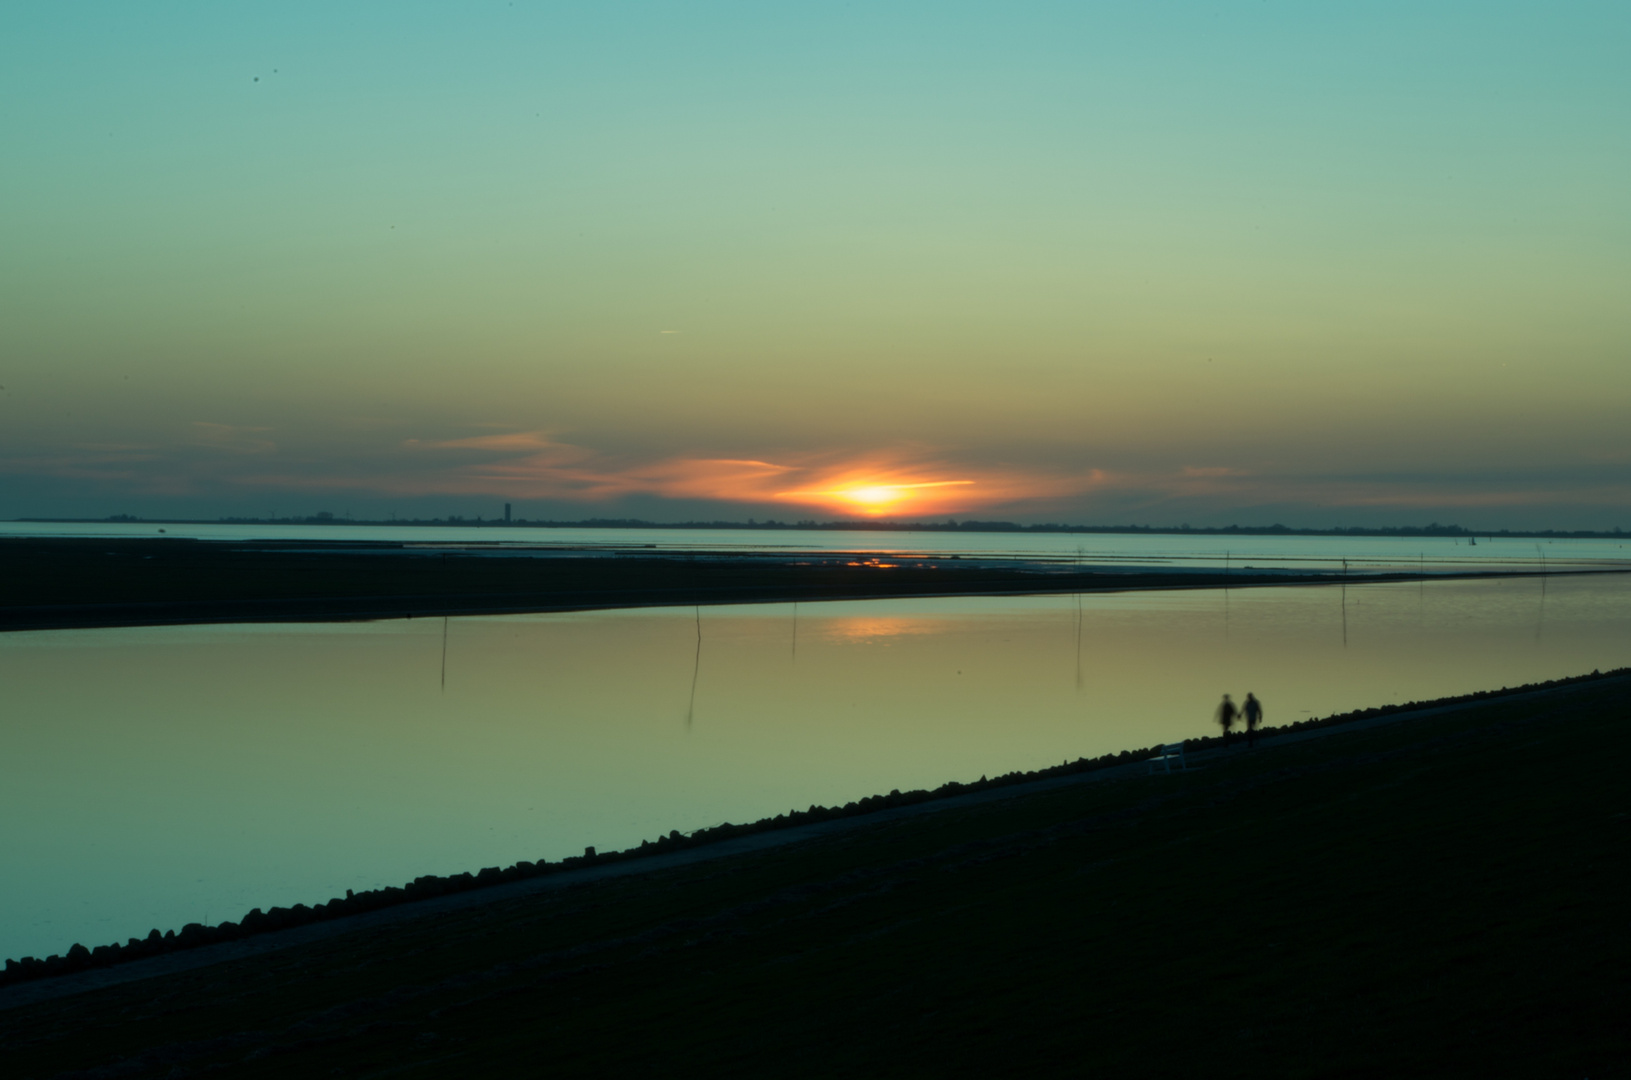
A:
{"points": [[569, 472]]}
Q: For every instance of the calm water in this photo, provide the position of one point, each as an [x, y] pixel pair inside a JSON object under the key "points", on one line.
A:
{"points": [[1108, 550], [154, 777]]}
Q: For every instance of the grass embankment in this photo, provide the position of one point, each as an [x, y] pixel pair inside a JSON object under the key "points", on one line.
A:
{"points": [[1445, 895], [53, 583]]}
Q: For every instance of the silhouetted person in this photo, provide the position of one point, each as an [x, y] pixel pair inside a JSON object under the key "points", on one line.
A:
{"points": [[1253, 712], [1226, 718]]}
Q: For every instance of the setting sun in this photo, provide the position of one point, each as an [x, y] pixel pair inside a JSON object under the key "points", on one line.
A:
{"points": [[873, 497], [876, 495]]}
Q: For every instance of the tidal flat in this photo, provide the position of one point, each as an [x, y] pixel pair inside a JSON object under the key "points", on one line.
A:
{"points": [[226, 574], [62, 583]]}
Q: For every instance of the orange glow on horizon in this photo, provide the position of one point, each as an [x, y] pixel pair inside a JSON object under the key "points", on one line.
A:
{"points": [[874, 497]]}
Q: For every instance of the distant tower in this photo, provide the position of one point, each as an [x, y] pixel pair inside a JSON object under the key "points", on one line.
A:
{"points": [[506, 513]]}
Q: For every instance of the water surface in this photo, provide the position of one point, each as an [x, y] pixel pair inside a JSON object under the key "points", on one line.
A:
{"points": [[151, 777]]}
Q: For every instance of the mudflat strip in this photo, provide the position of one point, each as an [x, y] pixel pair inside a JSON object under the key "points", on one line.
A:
{"points": [[81, 583]]}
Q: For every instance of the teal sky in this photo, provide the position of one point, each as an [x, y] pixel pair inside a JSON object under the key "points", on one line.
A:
{"points": [[1130, 262]]}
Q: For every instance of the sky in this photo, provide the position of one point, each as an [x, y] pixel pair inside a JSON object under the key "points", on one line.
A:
{"points": [[1098, 263]]}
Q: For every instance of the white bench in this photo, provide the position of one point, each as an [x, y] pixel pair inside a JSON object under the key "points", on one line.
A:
{"points": [[1170, 754]]}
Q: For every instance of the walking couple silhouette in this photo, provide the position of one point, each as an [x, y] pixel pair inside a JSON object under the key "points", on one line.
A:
{"points": [[1251, 711]]}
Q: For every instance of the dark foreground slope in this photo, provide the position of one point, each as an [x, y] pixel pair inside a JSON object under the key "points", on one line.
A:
{"points": [[1440, 896]]}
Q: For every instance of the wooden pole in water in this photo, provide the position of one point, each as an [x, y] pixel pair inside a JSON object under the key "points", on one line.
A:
{"points": [[696, 670], [1421, 585], [1344, 603]]}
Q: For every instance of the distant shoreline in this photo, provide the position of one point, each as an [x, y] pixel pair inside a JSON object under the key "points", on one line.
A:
{"points": [[972, 526]]}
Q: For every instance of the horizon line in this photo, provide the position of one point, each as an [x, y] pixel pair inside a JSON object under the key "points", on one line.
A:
{"points": [[857, 525]]}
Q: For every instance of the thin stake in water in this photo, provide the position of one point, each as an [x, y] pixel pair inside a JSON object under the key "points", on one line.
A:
{"points": [[1540, 620], [444, 654], [1344, 603], [696, 669], [1079, 555]]}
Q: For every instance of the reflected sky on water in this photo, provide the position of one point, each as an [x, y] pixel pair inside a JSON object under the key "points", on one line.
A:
{"points": [[158, 776]]}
